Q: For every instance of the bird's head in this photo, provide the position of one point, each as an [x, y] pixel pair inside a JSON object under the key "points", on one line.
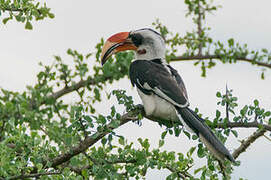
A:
{"points": [[147, 44]]}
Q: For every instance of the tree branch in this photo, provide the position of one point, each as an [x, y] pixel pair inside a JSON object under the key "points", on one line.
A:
{"points": [[207, 57], [37, 175], [181, 174], [77, 86], [246, 143], [243, 125], [90, 140], [133, 115], [78, 170], [12, 9], [69, 89]]}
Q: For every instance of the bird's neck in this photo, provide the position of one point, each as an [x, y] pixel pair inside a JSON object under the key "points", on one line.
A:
{"points": [[149, 55]]}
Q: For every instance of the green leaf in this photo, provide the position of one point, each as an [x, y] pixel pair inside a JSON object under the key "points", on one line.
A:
{"points": [[231, 42], [267, 113], [145, 144], [256, 102], [39, 166], [85, 173], [113, 111], [191, 151], [121, 141], [262, 75], [51, 15], [194, 137], [211, 167], [218, 113], [18, 18], [198, 170], [187, 134], [161, 143], [5, 20], [74, 161], [110, 137], [264, 50], [104, 140], [244, 110], [28, 25], [234, 132], [163, 135], [218, 94], [200, 151]]}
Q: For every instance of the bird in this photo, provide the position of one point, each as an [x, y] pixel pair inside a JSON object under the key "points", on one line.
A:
{"points": [[160, 86]]}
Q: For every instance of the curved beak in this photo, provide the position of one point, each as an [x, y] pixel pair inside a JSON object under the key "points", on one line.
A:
{"points": [[116, 43]]}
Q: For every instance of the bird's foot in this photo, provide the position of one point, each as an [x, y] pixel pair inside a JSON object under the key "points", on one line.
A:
{"points": [[139, 110], [139, 107]]}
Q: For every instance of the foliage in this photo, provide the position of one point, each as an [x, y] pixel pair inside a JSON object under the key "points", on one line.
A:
{"points": [[200, 46], [24, 11], [45, 135]]}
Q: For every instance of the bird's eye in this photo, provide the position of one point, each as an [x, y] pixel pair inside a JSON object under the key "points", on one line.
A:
{"points": [[137, 39]]}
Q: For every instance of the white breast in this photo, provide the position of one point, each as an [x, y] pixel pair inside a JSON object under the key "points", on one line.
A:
{"points": [[158, 107]]}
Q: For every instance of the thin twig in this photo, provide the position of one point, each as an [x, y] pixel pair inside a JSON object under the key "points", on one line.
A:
{"points": [[227, 104], [57, 137], [199, 25], [246, 143]]}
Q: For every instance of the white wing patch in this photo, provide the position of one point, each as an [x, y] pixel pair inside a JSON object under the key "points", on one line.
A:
{"points": [[144, 86], [147, 86], [163, 95]]}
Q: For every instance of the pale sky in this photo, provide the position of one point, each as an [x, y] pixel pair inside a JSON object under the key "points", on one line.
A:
{"points": [[80, 25]]}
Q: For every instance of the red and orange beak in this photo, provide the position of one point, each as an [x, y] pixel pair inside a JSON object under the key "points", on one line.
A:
{"points": [[116, 43]]}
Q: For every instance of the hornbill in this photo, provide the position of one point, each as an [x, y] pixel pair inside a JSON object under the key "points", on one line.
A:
{"points": [[159, 85]]}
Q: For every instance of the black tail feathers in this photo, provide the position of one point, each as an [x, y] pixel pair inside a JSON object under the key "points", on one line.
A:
{"points": [[195, 123]]}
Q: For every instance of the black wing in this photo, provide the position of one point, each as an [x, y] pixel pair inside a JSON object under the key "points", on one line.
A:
{"points": [[151, 77]]}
